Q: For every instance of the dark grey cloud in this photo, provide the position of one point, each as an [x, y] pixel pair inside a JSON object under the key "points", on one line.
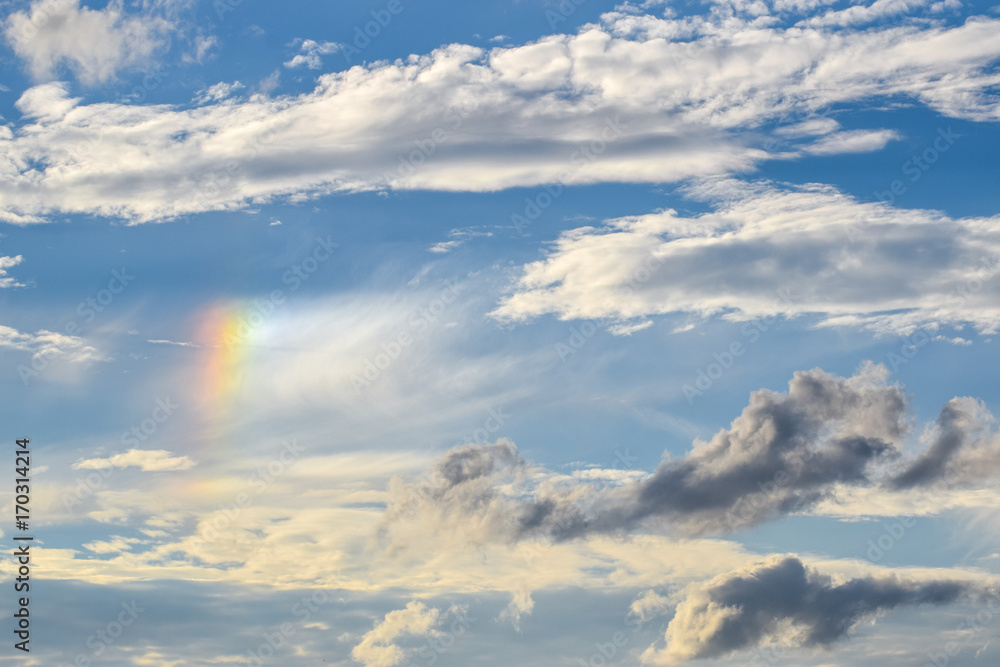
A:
{"points": [[782, 600], [964, 450], [784, 453], [932, 465]]}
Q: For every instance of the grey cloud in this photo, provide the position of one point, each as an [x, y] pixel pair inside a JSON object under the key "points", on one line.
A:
{"points": [[782, 600], [963, 450], [785, 453]]}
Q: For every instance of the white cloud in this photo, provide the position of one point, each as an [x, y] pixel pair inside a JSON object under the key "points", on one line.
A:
{"points": [[597, 106], [857, 141], [182, 343], [219, 91], [94, 44], [770, 250], [48, 102], [311, 52], [861, 14], [50, 345], [147, 460], [6, 263], [377, 647]]}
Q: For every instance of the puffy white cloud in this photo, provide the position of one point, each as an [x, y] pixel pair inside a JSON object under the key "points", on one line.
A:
{"points": [[94, 43], [377, 647], [311, 52], [50, 345], [617, 102], [6, 263], [147, 460], [769, 250]]}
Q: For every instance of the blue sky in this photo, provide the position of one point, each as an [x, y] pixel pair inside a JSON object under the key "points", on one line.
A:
{"points": [[539, 333]]}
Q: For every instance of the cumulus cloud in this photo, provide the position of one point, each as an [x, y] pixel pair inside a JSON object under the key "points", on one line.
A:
{"points": [[6, 263], [769, 250], [49, 345], [781, 600], [146, 460], [94, 43], [311, 54], [963, 449], [378, 647], [785, 453], [616, 102]]}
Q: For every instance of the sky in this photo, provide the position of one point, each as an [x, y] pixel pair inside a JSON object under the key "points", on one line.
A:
{"points": [[568, 334]]}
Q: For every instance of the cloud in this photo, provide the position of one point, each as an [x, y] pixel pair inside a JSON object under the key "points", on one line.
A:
{"points": [[94, 44], [521, 605], [219, 91], [596, 106], [50, 345], [861, 14], [174, 342], [147, 460], [773, 250], [311, 52], [858, 141], [649, 605], [964, 449], [6, 263], [378, 648], [785, 453], [780, 600]]}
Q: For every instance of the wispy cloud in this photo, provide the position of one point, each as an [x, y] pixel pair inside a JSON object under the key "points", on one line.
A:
{"points": [[147, 460]]}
